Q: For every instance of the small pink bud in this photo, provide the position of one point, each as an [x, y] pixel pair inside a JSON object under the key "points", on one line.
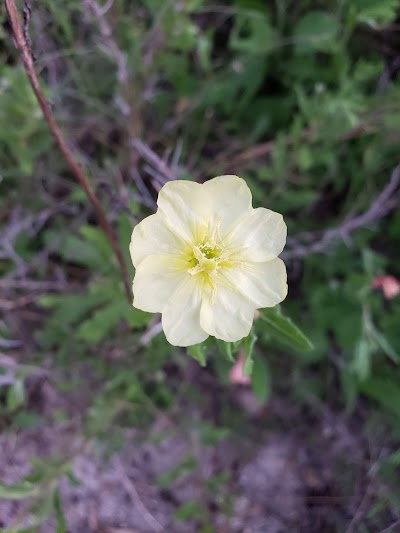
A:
{"points": [[389, 285], [236, 373]]}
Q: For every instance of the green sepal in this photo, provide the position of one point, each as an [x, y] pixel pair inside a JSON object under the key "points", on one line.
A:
{"points": [[198, 352], [226, 349]]}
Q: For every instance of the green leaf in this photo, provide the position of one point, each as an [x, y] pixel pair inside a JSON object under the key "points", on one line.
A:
{"points": [[362, 359], [15, 396], [285, 330], [210, 435], [103, 321], [261, 379], [252, 34], [315, 31], [376, 12], [167, 478], [189, 510], [70, 309], [79, 250], [59, 513], [97, 237], [394, 458], [382, 342], [248, 346], [215, 483], [349, 385], [198, 352], [20, 491], [27, 419], [137, 318], [385, 391]]}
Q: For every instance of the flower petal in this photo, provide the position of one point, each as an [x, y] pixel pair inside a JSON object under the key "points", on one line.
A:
{"points": [[185, 207], [230, 198], [263, 283], [229, 317], [181, 317], [153, 237], [156, 279], [260, 236]]}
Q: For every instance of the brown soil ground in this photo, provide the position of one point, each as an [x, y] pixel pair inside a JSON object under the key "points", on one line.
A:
{"points": [[283, 475]]}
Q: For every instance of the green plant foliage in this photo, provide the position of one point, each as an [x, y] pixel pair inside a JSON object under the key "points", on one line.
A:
{"points": [[210, 435], [188, 464], [189, 510], [26, 138], [385, 390]]}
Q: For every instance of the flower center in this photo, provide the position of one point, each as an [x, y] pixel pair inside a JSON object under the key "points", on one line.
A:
{"points": [[205, 258], [207, 255]]}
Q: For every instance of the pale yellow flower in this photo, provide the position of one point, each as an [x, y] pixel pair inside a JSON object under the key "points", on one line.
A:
{"points": [[206, 260]]}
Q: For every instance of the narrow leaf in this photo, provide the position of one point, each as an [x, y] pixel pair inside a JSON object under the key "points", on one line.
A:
{"points": [[285, 330], [248, 345], [261, 379], [362, 359], [20, 491], [384, 345], [59, 513], [384, 390]]}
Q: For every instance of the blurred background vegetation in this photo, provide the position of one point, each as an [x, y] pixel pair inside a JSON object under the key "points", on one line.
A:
{"points": [[104, 426]]}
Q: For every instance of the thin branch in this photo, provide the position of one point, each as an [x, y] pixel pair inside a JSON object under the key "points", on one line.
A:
{"points": [[318, 242], [10, 305], [75, 168], [151, 157], [154, 328], [12, 365], [124, 101], [391, 528], [9, 344], [133, 494], [27, 13], [112, 48], [34, 285]]}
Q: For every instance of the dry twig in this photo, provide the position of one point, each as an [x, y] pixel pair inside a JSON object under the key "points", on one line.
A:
{"points": [[391, 528], [34, 285], [10, 305], [318, 242], [151, 157], [75, 168], [130, 489]]}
